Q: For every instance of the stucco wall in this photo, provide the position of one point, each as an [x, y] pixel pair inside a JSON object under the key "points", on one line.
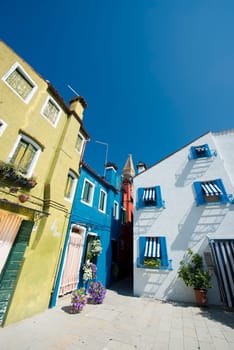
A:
{"points": [[182, 222]]}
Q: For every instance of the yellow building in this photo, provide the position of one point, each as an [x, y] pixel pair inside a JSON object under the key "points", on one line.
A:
{"points": [[41, 144]]}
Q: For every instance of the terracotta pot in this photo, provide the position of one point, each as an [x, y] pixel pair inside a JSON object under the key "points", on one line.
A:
{"points": [[23, 198], [201, 296]]}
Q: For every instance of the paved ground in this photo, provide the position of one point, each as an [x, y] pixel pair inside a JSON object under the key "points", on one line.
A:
{"points": [[123, 322]]}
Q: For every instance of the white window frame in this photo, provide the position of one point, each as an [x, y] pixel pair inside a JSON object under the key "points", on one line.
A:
{"points": [[49, 98], [82, 143], [3, 126], [116, 210], [26, 76], [37, 154], [90, 203], [104, 204], [73, 187]]}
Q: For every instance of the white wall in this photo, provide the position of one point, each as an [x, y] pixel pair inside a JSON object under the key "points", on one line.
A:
{"points": [[182, 222]]}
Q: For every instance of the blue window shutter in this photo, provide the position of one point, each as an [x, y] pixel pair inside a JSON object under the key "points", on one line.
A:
{"points": [[140, 202], [199, 194], [142, 243], [208, 152], [193, 152], [158, 197], [224, 197], [163, 247]]}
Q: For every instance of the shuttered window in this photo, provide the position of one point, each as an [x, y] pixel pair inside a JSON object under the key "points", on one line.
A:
{"points": [[210, 192], [201, 151], [153, 253], [150, 197]]}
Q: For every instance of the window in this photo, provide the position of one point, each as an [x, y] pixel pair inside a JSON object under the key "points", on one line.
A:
{"points": [[19, 82], [3, 127], [87, 192], [70, 185], [116, 210], [153, 253], [124, 216], [210, 192], [25, 155], [90, 243], [102, 201], [51, 111], [150, 197], [79, 143], [201, 151]]}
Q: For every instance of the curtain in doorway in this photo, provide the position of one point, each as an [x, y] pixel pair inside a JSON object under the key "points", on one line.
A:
{"points": [[72, 264]]}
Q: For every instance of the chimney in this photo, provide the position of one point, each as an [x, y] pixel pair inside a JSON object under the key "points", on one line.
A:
{"points": [[111, 169], [141, 166], [78, 104]]}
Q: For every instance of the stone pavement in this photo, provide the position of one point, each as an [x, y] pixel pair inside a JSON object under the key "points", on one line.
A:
{"points": [[123, 322]]}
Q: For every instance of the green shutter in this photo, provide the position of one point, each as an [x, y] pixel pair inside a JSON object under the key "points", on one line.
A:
{"points": [[11, 269]]}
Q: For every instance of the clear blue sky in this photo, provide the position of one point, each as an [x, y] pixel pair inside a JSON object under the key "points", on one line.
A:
{"points": [[156, 74]]}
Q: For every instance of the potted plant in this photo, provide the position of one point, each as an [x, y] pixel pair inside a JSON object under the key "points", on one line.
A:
{"points": [[78, 300], [96, 293], [192, 272]]}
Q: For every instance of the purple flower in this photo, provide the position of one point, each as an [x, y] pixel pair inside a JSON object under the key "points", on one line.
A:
{"points": [[97, 292]]}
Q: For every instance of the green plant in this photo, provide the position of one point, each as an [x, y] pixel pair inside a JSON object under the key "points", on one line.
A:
{"points": [[152, 262], [78, 299], [191, 271]]}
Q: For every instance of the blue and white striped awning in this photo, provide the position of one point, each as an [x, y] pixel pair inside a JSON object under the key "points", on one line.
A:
{"points": [[223, 255], [149, 194], [211, 189], [152, 247]]}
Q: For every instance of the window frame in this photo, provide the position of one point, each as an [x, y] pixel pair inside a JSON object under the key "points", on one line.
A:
{"points": [[202, 199], [17, 66], [116, 210], [3, 126], [80, 149], [28, 140], [102, 206], [165, 263], [49, 98], [159, 202], [90, 202], [73, 185], [195, 155]]}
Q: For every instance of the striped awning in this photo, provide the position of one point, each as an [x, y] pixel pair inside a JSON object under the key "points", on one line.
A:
{"points": [[211, 189], [223, 255], [152, 247], [149, 194]]}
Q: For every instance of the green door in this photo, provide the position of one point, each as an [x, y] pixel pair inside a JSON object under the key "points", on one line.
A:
{"points": [[11, 269]]}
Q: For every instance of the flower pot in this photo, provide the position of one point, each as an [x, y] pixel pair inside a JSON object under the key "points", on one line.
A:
{"points": [[23, 198], [201, 296]]}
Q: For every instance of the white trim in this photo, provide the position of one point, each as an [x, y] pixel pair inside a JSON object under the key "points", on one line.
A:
{"points": [[15, 66], [116, 216], [49, 98], [90, 203], [73, 187], [3, 126], [37, 154], [104, 204]]}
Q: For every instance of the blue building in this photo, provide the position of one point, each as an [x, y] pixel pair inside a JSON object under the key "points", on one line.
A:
{"points": [[95, 220]]}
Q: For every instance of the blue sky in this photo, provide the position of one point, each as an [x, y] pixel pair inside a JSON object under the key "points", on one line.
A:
{"points": [[156, 74]]}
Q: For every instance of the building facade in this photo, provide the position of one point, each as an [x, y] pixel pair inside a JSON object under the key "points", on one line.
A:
{"points": [[41, 143], [95, 217], [186, 201]]}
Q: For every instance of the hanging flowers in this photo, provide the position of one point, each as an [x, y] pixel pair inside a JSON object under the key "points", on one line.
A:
{"points": [[96, 247], [90, 271]]}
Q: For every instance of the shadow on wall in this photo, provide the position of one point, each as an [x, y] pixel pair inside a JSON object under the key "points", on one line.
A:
{"points": [[146, 220], [197, 223], [192, 170]]}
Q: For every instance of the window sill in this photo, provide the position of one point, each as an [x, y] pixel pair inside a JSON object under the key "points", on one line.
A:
{"points": [[160, 268]]}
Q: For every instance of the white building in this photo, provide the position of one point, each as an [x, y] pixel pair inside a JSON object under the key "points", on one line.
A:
{"points": [[185, 201]]}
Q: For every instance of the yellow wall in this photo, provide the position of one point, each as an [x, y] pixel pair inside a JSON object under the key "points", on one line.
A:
{"points": [[42, 256]]}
